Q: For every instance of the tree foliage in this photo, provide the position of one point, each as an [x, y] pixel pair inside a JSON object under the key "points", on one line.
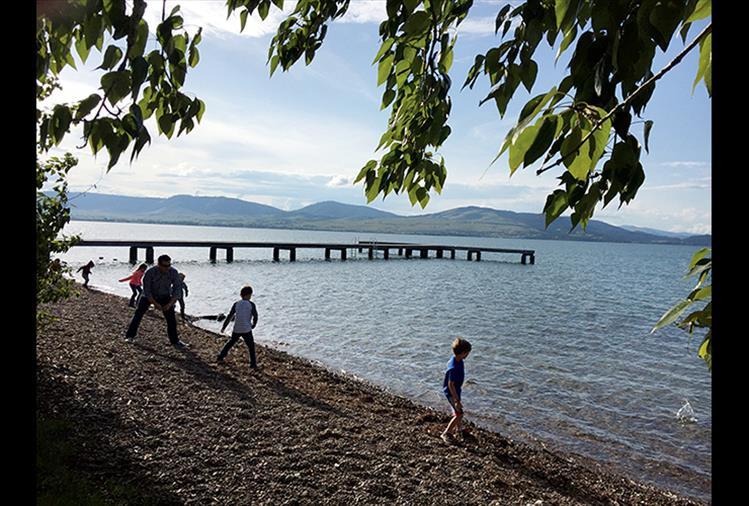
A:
{"points": [[135, 84], [700, 266], [52, 214]]}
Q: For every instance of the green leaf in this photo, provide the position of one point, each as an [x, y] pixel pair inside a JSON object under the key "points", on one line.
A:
{"points": [[521, 145], [671, 315], [577, 162], [242, 20], [61, 118], [273, 64], [417, 23], [387, 98], [194, 57], [410, 5], [560, 10], [664, 17], [698, 255], [706, 353], [700, 293], [648, 126], [703, 9], [402, 71], [704, 70], [263, 9], [556, 203], [82, 48], [568, 38], [546, 133], [383, 49], [92, 31], [180, 43], [373, 189], [141, 38], [599, 139], [446, 61], [528, 74], [533, 107], [622, 121], [198, 36], [86, 106], [112, 55], [685, 31], [166, 125], [369, 166], [201, 109], [116, 85], [384, 68]]}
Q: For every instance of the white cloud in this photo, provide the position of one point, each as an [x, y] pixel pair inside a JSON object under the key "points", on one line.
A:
{"points": [[477, 26], [337, 181], [72, 91], [685, 164], [365, 11], [212, 16], [703, 183]]}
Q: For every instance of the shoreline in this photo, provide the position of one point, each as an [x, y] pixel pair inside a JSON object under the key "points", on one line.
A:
{"points": [[198, 432]]}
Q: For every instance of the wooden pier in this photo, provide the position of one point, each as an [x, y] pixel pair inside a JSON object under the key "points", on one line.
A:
{"points": [[402, 249]]}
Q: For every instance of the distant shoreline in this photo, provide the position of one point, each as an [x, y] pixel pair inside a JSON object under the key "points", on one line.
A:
{"points": [[453, 233]]}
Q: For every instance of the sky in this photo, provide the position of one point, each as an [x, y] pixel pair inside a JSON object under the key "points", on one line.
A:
{"points": [[301, 136]]}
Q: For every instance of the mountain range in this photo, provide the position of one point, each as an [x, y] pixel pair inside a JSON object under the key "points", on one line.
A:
{"points": [[335, 216]]}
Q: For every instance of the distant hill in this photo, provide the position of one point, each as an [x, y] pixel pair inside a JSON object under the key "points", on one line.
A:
{"points": [[335, 216], [680, 235], [332, 210]]}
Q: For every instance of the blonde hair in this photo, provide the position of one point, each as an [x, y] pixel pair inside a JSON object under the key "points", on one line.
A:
{"points": [[460, 346]]}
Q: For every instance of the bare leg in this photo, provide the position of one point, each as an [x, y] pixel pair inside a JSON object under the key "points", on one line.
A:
{"points": [[454, 424]]}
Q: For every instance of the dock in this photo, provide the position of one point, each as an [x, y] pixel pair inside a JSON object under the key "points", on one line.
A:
{"points": [[402, 249]]}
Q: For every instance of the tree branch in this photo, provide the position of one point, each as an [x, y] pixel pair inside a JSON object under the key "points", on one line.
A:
{"points": [[626, 102]]}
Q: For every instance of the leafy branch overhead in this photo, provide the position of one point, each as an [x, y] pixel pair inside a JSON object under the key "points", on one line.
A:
{"points": [[136, 84]]}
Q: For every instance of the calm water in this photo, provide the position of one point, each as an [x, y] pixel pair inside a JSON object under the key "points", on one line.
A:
{"points": [[561, 349]]}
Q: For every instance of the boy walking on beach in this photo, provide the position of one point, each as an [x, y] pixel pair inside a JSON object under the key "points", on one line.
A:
{"points": [[452, 385], [244, 314]]}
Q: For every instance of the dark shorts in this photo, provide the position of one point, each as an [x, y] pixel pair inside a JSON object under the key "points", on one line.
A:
{"points": [[452, 405]]}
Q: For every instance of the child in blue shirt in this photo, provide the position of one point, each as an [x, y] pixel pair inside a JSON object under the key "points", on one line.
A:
{"points": [[452, 385]]}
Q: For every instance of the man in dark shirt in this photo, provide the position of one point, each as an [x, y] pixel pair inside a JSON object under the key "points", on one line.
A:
{"points": [[162, 287]]}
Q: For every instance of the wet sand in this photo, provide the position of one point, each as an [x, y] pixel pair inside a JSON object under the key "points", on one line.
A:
{"points": [[187, 430]]}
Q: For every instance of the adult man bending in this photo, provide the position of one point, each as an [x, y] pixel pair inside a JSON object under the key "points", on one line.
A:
{"points": [[162, 287]]}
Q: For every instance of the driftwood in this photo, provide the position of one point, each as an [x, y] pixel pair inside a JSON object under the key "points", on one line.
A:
{"points": [[218, 317]]}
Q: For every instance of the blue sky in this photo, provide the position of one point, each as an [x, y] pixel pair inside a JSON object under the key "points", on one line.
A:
{"points": [[301, 136]]}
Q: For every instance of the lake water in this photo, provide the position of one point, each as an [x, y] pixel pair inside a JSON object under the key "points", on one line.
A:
{"points": [[562, 350]]}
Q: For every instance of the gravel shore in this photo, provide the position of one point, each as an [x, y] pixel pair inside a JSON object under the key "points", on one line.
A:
{"points": [[186, 430]]}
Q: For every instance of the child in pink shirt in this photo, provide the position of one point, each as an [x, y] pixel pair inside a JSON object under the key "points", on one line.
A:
{"points": [[136, 283]]}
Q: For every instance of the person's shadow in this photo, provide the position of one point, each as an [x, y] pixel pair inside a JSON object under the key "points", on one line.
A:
{"points": [[193, 364]]}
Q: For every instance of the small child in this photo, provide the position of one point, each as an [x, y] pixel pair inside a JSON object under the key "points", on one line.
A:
{"points": [[452, 385], [244, 313], [86, 271], [136, 283], [185, 293]]}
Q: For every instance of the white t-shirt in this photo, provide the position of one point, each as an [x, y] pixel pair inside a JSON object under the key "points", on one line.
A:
{"points": [[243, 316]]}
